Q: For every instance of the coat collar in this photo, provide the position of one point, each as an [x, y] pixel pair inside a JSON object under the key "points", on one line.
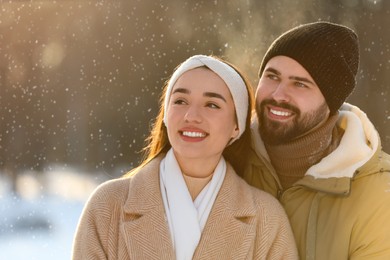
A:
{"points": [[231, 222], [145, 227]]}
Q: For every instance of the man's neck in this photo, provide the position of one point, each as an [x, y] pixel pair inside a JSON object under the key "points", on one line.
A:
{"points": [[292, 159]]}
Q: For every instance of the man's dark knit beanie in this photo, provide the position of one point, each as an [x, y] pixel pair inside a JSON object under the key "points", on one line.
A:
{"points": [[328, 51]]}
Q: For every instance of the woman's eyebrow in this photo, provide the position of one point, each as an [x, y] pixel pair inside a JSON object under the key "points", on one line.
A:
{"points": [[214, 95], [206, 94], [182, 90]]}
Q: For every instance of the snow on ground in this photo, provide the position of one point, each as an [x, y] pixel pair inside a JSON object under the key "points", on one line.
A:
{"points": [[40, 222]]}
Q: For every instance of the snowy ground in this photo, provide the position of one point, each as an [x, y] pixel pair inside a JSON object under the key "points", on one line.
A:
{"points": [[40, 222]]}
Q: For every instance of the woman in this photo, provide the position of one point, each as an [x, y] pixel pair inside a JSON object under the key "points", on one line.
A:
{"points": [[185, 200]]}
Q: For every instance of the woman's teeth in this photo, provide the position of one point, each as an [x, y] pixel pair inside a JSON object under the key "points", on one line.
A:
{"points": [[193, 134]]}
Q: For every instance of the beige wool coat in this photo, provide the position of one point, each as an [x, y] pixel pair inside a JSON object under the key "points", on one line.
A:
{"points": [[125, 219]]}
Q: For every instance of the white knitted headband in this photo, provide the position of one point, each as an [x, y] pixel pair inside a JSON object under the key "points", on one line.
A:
{"points": [[232, 79]]}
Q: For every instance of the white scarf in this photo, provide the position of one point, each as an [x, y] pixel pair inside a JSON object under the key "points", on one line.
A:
{"points": [[187, 218]]}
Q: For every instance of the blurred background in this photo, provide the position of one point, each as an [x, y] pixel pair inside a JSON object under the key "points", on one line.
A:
{"points": [[80, 83]]}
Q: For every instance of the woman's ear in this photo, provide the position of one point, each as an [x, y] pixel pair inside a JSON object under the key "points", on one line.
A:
{"points": [[235, 132]]}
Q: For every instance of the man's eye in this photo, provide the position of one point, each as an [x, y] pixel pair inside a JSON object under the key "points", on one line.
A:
{"points": [[300, 84], [272, 76]]}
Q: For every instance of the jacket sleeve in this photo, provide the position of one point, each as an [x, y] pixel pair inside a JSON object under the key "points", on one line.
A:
{"points": [[92, 233], [370, 238]]}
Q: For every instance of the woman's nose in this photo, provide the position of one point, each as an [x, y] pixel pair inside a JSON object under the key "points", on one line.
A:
{"points": [[193, 114]]}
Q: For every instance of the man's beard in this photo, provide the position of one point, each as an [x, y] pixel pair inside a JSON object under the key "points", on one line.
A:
{"points": [[275, 132]]}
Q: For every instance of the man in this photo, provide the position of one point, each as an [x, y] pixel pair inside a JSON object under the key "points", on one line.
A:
{"points": [[321, 157]]}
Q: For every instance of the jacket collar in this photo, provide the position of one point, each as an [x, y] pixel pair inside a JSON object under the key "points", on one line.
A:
{"points": [[357, 152], [145, 227], [358, 145]]}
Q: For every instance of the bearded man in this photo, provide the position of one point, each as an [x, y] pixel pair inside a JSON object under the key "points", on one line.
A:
{"points": [[321, 157]]}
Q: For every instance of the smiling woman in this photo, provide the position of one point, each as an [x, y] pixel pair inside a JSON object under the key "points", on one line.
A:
{"points": [[201, 116], [186, 193]]}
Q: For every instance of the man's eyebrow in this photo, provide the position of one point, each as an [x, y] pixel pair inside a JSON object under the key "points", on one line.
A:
{"points": [[272, 70], [306, 80], [214, 95]]}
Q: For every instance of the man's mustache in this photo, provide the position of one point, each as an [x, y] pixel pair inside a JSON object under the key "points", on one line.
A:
{"points": [[272, 102]]}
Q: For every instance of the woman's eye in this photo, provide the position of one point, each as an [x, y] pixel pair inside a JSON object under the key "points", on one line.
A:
{"points": [[179, 102], [213, 105]]}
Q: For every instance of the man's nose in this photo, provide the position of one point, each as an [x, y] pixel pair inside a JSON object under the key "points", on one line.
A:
{"points": [[281, 93]]}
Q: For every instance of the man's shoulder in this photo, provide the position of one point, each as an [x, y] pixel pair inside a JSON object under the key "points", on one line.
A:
{"points": [[379, 163], [384, 159]]}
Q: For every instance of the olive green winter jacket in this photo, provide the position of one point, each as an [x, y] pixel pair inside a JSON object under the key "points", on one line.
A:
{"points": [[340, 209]]}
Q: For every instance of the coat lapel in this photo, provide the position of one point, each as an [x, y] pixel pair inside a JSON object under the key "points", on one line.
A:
{"points": [[231, 227], [229, 232], [144, 227]]}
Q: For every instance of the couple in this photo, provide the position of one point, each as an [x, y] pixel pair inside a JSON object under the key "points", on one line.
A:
{"points": [[320, 158]]}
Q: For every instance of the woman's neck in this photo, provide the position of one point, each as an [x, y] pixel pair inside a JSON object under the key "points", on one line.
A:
{"points": [[196, 185], [198, 167]]}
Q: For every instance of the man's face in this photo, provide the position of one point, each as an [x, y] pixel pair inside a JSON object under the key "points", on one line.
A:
{"points": [[288, 101]]}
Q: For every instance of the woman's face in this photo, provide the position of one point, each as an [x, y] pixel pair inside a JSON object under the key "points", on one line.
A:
{"points": [[200, 115]]}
